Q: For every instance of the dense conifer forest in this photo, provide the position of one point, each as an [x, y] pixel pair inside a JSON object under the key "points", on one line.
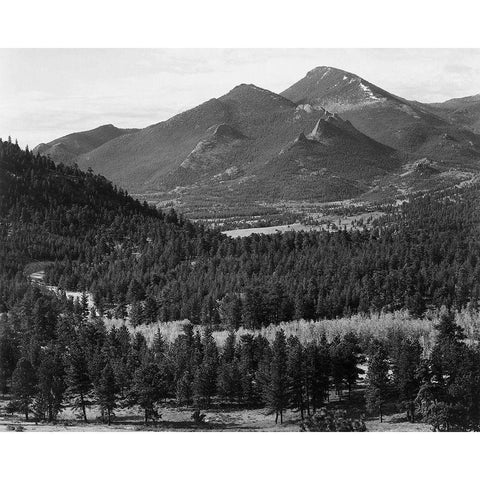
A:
{"points": [[151, 266]]}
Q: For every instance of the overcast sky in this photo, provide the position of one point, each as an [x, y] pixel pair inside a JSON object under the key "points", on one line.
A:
{"points": [[47, 93]]}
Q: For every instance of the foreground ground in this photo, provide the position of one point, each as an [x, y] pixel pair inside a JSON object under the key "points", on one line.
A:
{"points": [[233, 419]]}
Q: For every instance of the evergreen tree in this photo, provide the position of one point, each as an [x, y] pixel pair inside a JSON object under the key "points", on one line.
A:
{"points": [[23, 386], [79, 384], [205, 380], [406, 381], [51, 386], [378, 380], [147, 390], [317, 371], [248, 363], [136, 314], [276, 387], [9, 356], [229, 380], [107, 391], [296, 375]]}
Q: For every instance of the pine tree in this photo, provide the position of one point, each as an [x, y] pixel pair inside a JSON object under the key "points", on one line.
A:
{"points": [[136, 314], [9, 356], [296, 375], [79, 384], [276, 388], [107, 392], [351, 358], [317, 372], [84, 304], [23, 386], [147, 390], [247, 368], [378, 381], [228, 353], [50, 387], [406, 362], [184, 388], [448, 348], [150, 310], [205, 381]]}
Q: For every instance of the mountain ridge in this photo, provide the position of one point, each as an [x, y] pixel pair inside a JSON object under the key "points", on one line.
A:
{"points": [[68, 147], [227, 148]]}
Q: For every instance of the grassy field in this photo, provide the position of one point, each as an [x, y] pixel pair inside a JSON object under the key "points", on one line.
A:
{"points": [[219, 418], [294, 227]]}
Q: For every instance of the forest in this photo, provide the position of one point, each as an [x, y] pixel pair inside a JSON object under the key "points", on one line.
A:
{"points": [[145, 266]]}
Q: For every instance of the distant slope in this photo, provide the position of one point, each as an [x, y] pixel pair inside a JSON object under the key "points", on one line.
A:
{"points": [[463, 111], [389, 119], [66, 149]]}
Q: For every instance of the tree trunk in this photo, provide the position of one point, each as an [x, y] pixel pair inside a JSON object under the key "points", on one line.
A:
{"points": [[281, 417], [276, 416], [84, 410], [381, 415]]}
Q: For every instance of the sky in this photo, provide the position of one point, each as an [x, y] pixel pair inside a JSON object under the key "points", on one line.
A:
{"points": [[48, 93]]}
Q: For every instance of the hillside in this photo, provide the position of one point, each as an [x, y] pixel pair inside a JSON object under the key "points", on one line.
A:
{"points": [[60, 215], [66, 149], [98, 239], [463, 111]]}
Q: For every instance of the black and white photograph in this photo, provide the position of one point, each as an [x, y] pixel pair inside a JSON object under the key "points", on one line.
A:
{"points": [[239, 239]]}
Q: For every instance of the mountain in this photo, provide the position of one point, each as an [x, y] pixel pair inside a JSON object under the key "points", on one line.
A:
{"points": [[168, 154], [236, 148], [333, 162], [463, 111], [402, 124], [330, 136], [66, 149]]}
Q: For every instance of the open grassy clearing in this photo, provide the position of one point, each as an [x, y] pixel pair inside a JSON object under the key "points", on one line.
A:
{"points": [[323, 222], [219, 418], [294, 227]]}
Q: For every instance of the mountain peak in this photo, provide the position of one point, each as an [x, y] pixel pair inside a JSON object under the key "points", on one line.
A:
{"points": [[335, 89], [247, 87], [251, 97], [326, 70]]}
